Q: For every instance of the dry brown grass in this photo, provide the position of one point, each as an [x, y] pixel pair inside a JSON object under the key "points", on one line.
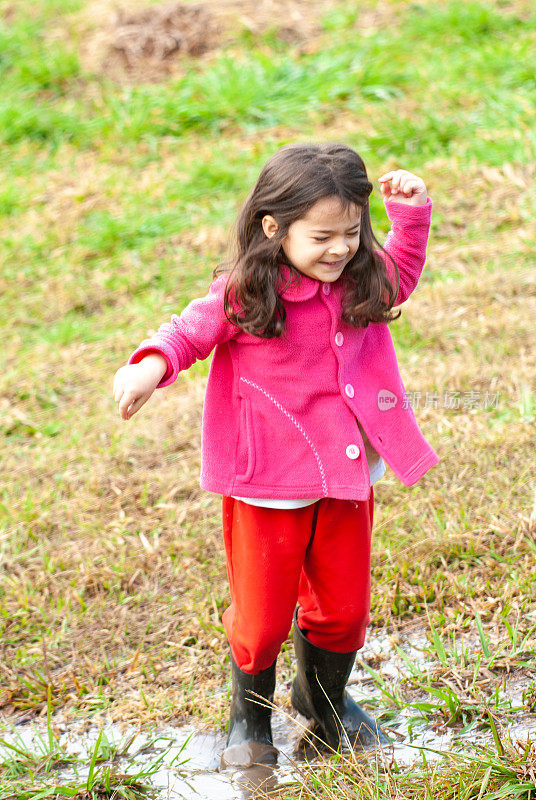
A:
{"points": [[130, 620]]}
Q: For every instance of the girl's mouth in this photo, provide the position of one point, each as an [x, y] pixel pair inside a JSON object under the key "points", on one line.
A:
{"points": [[333, 264]]}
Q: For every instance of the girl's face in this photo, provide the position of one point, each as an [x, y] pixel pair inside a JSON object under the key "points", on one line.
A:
{"points": [[322, 242]]}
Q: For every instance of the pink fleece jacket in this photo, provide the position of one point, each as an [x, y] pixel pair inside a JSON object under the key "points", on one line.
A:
{"points": [[281, 416]]}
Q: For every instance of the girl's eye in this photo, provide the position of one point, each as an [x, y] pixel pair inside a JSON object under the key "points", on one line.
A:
{"points": [[352, 235]]}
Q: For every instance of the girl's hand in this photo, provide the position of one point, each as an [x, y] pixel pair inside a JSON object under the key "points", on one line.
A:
{"points": [[135, 383], [401, 186]]}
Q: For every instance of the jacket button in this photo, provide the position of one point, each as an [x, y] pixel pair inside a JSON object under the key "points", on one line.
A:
{"points": [[352, 451], [326, 288], [349, 389], [339, 339]]}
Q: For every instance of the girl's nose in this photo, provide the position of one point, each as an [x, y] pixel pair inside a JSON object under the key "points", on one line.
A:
{"points": [[339, 249]]}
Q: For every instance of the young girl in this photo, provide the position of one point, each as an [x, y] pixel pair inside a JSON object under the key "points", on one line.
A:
{"points": [[304, 403]]}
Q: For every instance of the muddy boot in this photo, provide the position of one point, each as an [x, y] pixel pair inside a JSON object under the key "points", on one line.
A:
{"points": [[318, 692], [250, 732]]}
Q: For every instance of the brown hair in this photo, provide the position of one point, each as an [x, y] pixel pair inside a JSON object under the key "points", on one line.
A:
{"points": [[291, 182]]}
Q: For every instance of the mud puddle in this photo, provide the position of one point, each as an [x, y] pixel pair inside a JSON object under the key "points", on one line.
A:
{"points": [[183, 762], [187, 761]]}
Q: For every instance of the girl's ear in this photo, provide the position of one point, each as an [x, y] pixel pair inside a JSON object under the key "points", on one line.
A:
{"points": [[269, 226]]}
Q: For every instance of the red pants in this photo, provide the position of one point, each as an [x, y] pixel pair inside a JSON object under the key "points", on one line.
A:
{"points": [[318, 556]]}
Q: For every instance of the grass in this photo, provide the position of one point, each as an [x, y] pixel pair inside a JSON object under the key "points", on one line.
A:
{"points": [[453, 684], [479, 773], [115, 205], [30, 771], [251, 89]]}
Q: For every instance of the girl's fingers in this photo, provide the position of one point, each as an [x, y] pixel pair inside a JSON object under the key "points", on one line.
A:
{"points": [[401, 186], [397, 176], [118, 385], [128, 412], [392, 176], [409, 187], [128, 393], [121, 395], [124, 405], [135, 406]]}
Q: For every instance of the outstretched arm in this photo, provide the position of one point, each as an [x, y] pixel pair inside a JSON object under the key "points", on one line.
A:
{"points": [[173, 348], [191, 336]]}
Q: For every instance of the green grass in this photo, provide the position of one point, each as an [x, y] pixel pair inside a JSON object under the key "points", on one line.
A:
{"points": [[480, 75], [480, 773]]}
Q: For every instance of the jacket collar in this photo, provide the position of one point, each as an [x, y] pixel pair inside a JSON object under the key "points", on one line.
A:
{"points": [[301, 287]]}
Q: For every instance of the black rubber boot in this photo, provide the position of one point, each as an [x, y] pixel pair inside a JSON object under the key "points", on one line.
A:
{"points": [[318, 692], [250, 732]]}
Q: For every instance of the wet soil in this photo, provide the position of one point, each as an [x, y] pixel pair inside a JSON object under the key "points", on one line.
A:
{"points": [[190, 764]]}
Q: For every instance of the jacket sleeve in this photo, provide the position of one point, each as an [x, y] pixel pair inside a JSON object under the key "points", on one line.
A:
{"points": [[191, 336], [406, 243]]}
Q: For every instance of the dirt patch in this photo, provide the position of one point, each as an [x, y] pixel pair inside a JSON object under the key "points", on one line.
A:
{"points": [[145, 45], [151, 43]]}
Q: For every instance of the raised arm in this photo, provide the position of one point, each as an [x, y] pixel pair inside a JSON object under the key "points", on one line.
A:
{"points": [[409, 208], [406, 243]]}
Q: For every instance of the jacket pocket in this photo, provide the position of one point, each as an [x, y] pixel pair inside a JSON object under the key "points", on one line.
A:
{"points": [[245, 458], [282, 452]]}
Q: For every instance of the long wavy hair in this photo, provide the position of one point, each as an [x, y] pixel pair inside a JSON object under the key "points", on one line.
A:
{"points": [[291, 182]]}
